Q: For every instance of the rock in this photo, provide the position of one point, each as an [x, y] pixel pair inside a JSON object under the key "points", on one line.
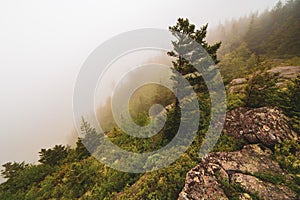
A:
{"points": [[237, 85], [286, 72], [245, 196], [268, 126], [206, 180], [238, 81], [263, 189], [236, 88], [202, 184]]}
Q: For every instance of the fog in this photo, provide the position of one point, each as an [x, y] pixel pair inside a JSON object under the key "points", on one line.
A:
{"points": [[44, 43]]}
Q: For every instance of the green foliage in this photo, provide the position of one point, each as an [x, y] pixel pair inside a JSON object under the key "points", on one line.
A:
{"points": [[287, 154], [162, 184], [262, 90], [90, 139], [12, 169], [53, 156], [270, 177], [234, 190], [81, 151], [139, 145], [294, 61], [238, 63], [290, 101], [228, 143], [275, 32], [294, 185], [278, 179], [27, 178], [247, 41], [187, 55], [172, 124], [142, 119], [11, 196], [235, 100], [87, 179]]}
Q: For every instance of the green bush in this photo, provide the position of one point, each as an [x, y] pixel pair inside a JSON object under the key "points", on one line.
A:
{"points": [[262, 90], [228, 143], [235, 100], [287, 153], [270, 177]]}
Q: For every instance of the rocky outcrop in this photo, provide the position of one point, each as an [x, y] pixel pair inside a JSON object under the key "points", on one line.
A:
{"points": [[237, 85], [219, 172], [267, 126], [250, 172], [286, 72]]}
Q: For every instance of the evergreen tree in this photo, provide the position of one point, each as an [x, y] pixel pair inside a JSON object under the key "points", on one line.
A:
{"points": [[53, 156], [262, 90], [290, 101], [185, 51], [81, 151], [91, 139], [12, 169], [188, 55]]}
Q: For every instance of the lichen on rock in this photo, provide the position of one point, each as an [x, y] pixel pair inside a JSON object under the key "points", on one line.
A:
{"points": [[249, 173], [243, 167]]}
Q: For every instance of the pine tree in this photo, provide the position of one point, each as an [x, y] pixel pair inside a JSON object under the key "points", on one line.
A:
{"points": [[12, 169], [91, 138], [81, 151], [191, 51], [185, 51], [262, 90], [291, 102], [53, 156]]}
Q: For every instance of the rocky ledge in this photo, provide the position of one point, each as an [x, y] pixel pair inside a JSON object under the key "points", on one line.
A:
{"points": [[267, 126], [285, 73], [219, 173], [250, 173]]}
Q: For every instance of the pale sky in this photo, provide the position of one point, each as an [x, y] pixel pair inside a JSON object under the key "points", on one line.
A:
{"points": [[44, 43]]}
